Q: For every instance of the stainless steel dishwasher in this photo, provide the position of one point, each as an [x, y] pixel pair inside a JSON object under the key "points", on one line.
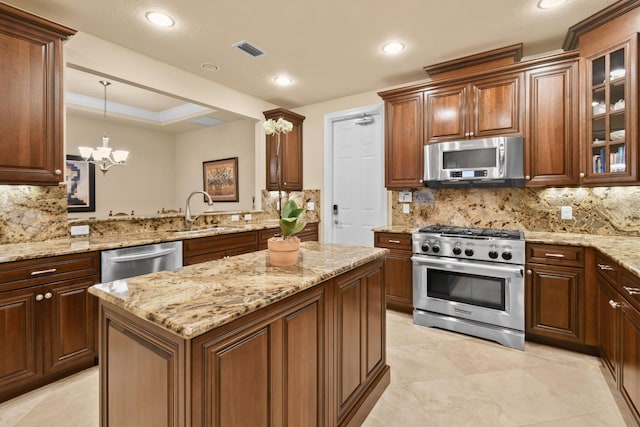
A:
{"points": [[137, 260]]}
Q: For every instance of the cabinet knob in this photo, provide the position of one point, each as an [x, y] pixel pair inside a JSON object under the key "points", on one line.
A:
{"points": [[581, 174], [466, 134], [528, 177], [529, 272], [39, 297], [48, 295], [58, 172], [470, 133], [421, 181]]}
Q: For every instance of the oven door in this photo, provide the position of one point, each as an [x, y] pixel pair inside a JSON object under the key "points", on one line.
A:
{"points": [[483, 292]]}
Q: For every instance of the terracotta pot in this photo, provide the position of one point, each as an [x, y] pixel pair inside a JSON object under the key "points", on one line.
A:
{"points": [[283, 252]]}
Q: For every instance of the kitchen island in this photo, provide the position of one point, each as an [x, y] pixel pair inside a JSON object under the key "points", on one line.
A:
{"points": [[237, 342]]}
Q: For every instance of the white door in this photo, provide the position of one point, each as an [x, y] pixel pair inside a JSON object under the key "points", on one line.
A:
{"points": [[357, 201]]}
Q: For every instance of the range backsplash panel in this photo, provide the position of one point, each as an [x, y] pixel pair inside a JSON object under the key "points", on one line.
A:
{"points": [[599, 210]]}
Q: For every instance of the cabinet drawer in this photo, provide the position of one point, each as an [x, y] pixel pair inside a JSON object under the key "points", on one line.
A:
{"points": [[204, 245], [401, 241], [569, 256], [630, 288], [308, 233], [20, 274], [607, 268]]}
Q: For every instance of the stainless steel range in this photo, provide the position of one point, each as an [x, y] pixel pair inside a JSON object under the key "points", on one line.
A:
{"points": [[470, 280]]}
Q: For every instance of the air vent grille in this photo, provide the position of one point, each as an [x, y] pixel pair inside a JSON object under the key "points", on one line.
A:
{"points": [[249, 49]]}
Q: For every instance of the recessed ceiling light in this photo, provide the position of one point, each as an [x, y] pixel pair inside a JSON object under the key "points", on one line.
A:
{"points": [[548, 4], [392, 48], [283, 80], [160, 19], [209, 67]]}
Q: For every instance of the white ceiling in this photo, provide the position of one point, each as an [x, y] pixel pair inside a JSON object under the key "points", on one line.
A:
{"points": [[331, 48]]}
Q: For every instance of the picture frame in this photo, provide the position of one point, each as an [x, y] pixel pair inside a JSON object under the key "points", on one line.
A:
{"points": [[80, 177], [220, 179]]}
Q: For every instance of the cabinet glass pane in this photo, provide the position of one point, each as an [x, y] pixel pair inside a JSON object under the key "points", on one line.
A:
{"points": [[617, 159], [598, 131], [598, 101], [599, 157], [616, 97], [617, 68], [598, 71]]}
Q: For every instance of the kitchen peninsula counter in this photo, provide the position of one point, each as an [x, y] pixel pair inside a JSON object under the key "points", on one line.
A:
{"points": [[239, 342]]}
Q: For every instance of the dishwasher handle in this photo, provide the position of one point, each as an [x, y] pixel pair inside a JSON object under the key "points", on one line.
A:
{"points": [[143, 255]]}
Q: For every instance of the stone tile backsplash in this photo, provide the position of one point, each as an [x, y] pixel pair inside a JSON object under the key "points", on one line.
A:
{"points": [[599, 210]]}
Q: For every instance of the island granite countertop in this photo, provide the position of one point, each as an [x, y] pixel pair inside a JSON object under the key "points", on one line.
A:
{"points": [[201, 297]]}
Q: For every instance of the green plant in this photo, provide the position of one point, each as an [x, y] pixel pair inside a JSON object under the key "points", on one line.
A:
{"points": [[291, 221]]}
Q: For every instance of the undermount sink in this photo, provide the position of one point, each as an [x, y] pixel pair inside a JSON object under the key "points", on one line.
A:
{"points": [[204, 230]]}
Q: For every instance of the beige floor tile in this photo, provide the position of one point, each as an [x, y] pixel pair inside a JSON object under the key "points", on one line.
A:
{"points": [[609, 418]]}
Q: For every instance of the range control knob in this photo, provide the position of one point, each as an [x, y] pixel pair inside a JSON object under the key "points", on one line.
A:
{"points": [[493, 254], [435, 249], [468, 252], [506, 256], [457, 251], [425, 247]]}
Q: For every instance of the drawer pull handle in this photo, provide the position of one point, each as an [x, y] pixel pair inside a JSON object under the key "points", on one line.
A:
{"points": [[614, 304], [394, 241], [605, 267], [39, 272], [631, 291], [554, 255]]}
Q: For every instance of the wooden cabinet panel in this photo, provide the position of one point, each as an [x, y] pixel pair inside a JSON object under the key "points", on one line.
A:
{"points": [[404, 141], [375, 322], [349, 340], [555, 308], [31, 111], [608, 303], [290, 153], [552, 144], [630, 358], [398, 270], [20, 340], [446, 111], [210, 248], [308, 234], [70, 324], [497, 106]]}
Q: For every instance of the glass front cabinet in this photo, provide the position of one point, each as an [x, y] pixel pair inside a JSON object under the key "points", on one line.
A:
{"points": [[611, 124]]}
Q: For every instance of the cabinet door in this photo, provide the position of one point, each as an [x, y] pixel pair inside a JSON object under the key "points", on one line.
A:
{"points": [[403, 142], [360, 344], [608, 303], [446, 112], [290, 153], [31, 110], [630, 358], [554, 307], [69, 324], [20, 338], [551, 149], [496, 106], [398, 273], [611, 114]]}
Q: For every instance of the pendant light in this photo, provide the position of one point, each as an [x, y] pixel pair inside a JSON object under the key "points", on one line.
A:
{"points": [[102, 156]]}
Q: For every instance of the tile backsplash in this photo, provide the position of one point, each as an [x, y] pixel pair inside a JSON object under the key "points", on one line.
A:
{"points": [[599, 210]]}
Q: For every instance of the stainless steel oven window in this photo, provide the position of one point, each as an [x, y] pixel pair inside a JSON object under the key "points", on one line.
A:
{"points": [[476, 158], [471, 289]]}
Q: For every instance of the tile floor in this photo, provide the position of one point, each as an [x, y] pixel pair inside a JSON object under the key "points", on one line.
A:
{"points": [[438, 378]]}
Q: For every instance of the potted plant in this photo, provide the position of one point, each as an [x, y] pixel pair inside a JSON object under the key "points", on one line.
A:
{"points": [[283, 249]]}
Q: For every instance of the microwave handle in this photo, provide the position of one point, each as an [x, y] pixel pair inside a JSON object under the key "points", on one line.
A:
{"points": [[501, 158]]}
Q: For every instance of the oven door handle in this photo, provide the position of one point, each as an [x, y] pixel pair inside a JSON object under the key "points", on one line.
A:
{"points": [[456, 263]]}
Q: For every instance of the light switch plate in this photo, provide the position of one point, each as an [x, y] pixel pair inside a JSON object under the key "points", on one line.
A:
{"points": [[405, 208], [566, 212], [79, 230], [235, 217], [247, 217], [405, 197], [311, 206]]}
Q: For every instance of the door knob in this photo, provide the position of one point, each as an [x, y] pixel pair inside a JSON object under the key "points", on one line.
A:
{"points": [[335, 221]]}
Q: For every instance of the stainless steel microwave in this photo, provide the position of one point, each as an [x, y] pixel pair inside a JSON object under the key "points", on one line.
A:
{"points": [[488, 162]]}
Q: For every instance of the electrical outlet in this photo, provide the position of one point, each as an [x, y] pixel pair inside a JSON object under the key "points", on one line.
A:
{"points": [[79, 230], [405, 197], [405, 208], [247, 217], [235, 217], [566, 212], [311, 206]]}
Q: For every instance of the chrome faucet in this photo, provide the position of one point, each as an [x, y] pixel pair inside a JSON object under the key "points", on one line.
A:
{"points": [[188, 220]]}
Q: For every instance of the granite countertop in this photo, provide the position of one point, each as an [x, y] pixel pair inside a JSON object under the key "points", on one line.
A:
{"points": [[624, 250], [201, 297], [20, 251]]}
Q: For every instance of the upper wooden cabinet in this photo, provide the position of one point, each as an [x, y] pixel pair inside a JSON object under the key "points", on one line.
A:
{"points": [[32, 103], [290, 153], [551, 125], [477, 109], [403, 141]]}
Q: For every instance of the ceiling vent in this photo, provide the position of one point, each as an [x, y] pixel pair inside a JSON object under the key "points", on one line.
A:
{"points": [[249, 49]]}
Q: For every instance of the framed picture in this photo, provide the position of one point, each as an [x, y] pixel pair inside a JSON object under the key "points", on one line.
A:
{"points": [[221, 179], [81, 187]]}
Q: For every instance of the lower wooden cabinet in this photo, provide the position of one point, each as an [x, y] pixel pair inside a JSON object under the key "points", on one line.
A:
{"points": [[629, 340], [398, 269], [308, 234], [204, 249], [47, 320], [608, 304]]}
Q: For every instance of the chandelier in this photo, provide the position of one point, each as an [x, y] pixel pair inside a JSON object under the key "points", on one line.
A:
{"points": [[102, 156]]}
